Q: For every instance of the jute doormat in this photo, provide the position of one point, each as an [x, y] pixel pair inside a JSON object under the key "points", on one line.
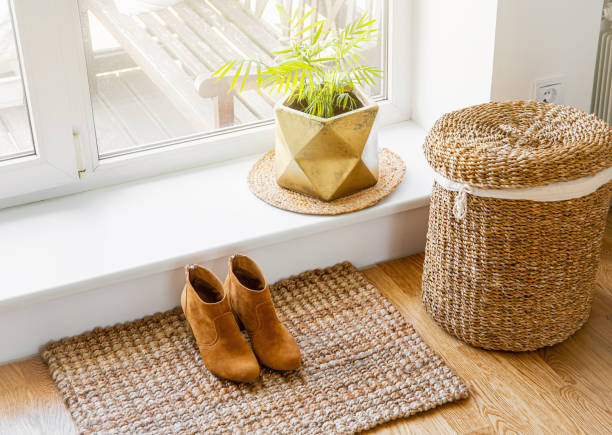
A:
{"points": [[363, 365]]}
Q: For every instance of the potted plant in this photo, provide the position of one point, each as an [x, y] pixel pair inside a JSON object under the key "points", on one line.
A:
{"points": [[323, 120]]}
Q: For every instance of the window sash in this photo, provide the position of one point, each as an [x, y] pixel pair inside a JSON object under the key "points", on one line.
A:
{"points": [[55, 75], [41, 35]]}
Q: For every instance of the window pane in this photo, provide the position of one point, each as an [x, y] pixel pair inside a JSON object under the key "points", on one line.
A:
{"points": [[15, 133], [144, 59]]}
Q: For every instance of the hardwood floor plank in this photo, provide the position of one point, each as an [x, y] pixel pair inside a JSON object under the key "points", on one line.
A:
{"points": [[583, 362], [30, 402], [587, 416], [425, 423]]}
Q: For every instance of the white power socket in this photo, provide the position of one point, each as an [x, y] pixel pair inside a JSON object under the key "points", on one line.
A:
{"points": [[550, 90]]}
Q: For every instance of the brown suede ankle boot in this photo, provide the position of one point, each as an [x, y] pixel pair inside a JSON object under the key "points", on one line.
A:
{"points": [[224, 349], [252, 304]]}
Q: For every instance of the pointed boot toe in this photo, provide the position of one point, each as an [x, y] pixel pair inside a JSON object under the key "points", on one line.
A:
{"points": [[223, 348], [252, 304], [243, 370], [285, 355]]}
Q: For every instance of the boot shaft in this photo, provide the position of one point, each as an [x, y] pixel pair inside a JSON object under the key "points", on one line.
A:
{"points": [[248, 292], [207, 309], [252, 304]]}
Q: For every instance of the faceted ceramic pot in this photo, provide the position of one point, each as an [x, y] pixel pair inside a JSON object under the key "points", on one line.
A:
{"points": [[326, 158]]}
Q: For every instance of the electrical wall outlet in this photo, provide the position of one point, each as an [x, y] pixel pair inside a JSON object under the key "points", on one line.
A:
{"points": [[549, 90]]}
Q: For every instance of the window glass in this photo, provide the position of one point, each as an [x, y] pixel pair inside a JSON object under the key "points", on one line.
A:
{"points": [[15, 133], [149, 62]]}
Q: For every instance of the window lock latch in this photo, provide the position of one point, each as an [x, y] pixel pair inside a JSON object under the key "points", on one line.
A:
{"points": [[80, 161]]}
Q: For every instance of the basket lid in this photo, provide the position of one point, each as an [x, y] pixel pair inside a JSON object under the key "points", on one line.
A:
{"points": [[518, 144]]}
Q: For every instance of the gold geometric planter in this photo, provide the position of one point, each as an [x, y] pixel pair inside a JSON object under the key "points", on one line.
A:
{"points": [[324, 157]]}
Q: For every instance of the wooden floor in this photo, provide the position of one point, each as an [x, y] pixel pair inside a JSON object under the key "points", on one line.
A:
{"points": [[558, 390]]}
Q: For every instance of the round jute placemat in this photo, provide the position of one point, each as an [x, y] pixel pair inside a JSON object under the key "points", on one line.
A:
{"points": [[262, 183]]}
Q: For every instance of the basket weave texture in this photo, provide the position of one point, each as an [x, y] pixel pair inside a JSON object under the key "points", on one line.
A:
{"points": [[515, 274], [262, 182], [518, 144]]}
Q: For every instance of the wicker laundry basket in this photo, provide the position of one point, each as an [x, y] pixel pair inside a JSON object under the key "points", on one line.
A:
{"points": [[517, 216]]}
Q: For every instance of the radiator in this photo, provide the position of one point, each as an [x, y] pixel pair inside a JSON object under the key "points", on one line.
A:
{"points": [[601, 104]]}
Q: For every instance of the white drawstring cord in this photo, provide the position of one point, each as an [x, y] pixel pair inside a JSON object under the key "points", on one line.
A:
{"points": [[560, 191], [460, 206]]}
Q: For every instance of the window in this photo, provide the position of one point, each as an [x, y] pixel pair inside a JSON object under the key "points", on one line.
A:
{"points": [[121, 89], [148, 65], [15, 133]]}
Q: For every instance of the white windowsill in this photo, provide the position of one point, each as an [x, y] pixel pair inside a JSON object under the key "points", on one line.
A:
{"points": [[87, 240]]}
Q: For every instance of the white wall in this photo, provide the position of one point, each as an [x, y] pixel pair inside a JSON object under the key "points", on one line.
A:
{"points": [[23, 329], [537, 39], [473, 51], [452, 56]]}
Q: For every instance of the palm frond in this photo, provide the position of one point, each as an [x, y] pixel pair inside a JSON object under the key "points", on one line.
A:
{"points": [[317, 69]]}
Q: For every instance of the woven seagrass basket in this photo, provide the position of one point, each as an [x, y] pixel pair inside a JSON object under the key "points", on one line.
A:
{"points": [[516, 221]]}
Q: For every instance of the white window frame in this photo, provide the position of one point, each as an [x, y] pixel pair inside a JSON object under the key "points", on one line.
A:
{"points": [[59, 102], [53, 162]]}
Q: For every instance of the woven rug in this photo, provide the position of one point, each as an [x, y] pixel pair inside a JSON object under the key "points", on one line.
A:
{"points": [[262, 182], [363, 365]]}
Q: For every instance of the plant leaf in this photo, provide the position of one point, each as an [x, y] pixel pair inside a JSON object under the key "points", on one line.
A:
{"points": [[246, 75], [220, 73], [236, 76]]}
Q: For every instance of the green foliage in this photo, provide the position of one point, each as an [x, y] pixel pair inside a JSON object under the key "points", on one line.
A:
{"points": [[316, 68]]}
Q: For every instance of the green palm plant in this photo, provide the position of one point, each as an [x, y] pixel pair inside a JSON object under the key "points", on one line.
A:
{"points": [[316, 69]]}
